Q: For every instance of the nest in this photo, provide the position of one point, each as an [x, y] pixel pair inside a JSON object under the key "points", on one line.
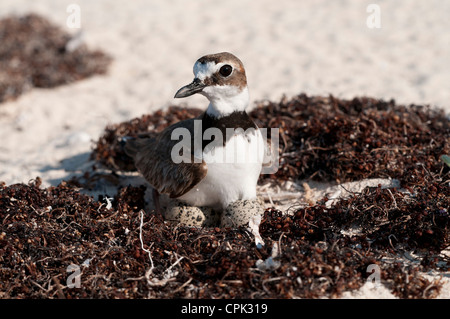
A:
{"points": [[322, 138], [123, 252]]}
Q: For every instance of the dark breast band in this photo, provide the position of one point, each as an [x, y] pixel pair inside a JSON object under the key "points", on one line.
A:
{"points": [[237, 119]]}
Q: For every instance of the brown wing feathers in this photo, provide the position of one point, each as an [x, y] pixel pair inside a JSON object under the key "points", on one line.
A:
{"points": [[152, 157]]}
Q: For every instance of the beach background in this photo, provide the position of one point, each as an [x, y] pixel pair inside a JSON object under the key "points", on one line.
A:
{"points": [[287, 47]]}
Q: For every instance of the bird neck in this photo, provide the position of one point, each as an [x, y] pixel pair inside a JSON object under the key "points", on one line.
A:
{"points": [[223, 105]]}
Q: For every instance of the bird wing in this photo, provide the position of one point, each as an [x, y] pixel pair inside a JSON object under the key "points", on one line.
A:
{"points": [[153, 159]]}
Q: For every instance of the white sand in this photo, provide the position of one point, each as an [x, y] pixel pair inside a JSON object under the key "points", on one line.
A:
{"points": [[288, 47]]}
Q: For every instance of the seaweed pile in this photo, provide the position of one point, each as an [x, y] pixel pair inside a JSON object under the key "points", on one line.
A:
{"points": [[323, 138], [36, 53], [326, 138], [123, 252], [46, 231]]}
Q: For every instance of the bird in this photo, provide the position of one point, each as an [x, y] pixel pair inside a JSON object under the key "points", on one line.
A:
{"points": [[219, 160]]}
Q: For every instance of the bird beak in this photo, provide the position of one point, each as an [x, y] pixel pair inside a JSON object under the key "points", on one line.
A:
{"points": [[196, 86]]}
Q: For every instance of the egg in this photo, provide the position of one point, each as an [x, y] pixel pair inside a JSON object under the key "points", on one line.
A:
{"points": [[185, 215], [236, 214], [239, 212]]}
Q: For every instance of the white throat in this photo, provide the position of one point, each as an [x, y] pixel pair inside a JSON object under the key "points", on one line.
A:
{"points": [[225, 100]]}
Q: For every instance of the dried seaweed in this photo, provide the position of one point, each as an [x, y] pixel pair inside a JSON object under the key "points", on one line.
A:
{"points": [[33, 53], [318, 250], [323, 138], [44, 231]]}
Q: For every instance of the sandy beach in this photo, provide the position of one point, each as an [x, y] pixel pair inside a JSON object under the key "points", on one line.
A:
{"points": [[287, 47]]}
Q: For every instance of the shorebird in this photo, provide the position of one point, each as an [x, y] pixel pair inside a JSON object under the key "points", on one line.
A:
{"points": [[206, 176]]}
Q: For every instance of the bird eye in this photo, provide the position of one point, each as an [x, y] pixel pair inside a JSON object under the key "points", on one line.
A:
{"points": [[226, 70]]}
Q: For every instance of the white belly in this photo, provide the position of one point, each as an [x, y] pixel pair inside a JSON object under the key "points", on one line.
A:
{"points": [[233, 172]]}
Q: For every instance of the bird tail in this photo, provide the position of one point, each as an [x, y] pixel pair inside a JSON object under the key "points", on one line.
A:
{"points": [[129, 145], [132, 145]]}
